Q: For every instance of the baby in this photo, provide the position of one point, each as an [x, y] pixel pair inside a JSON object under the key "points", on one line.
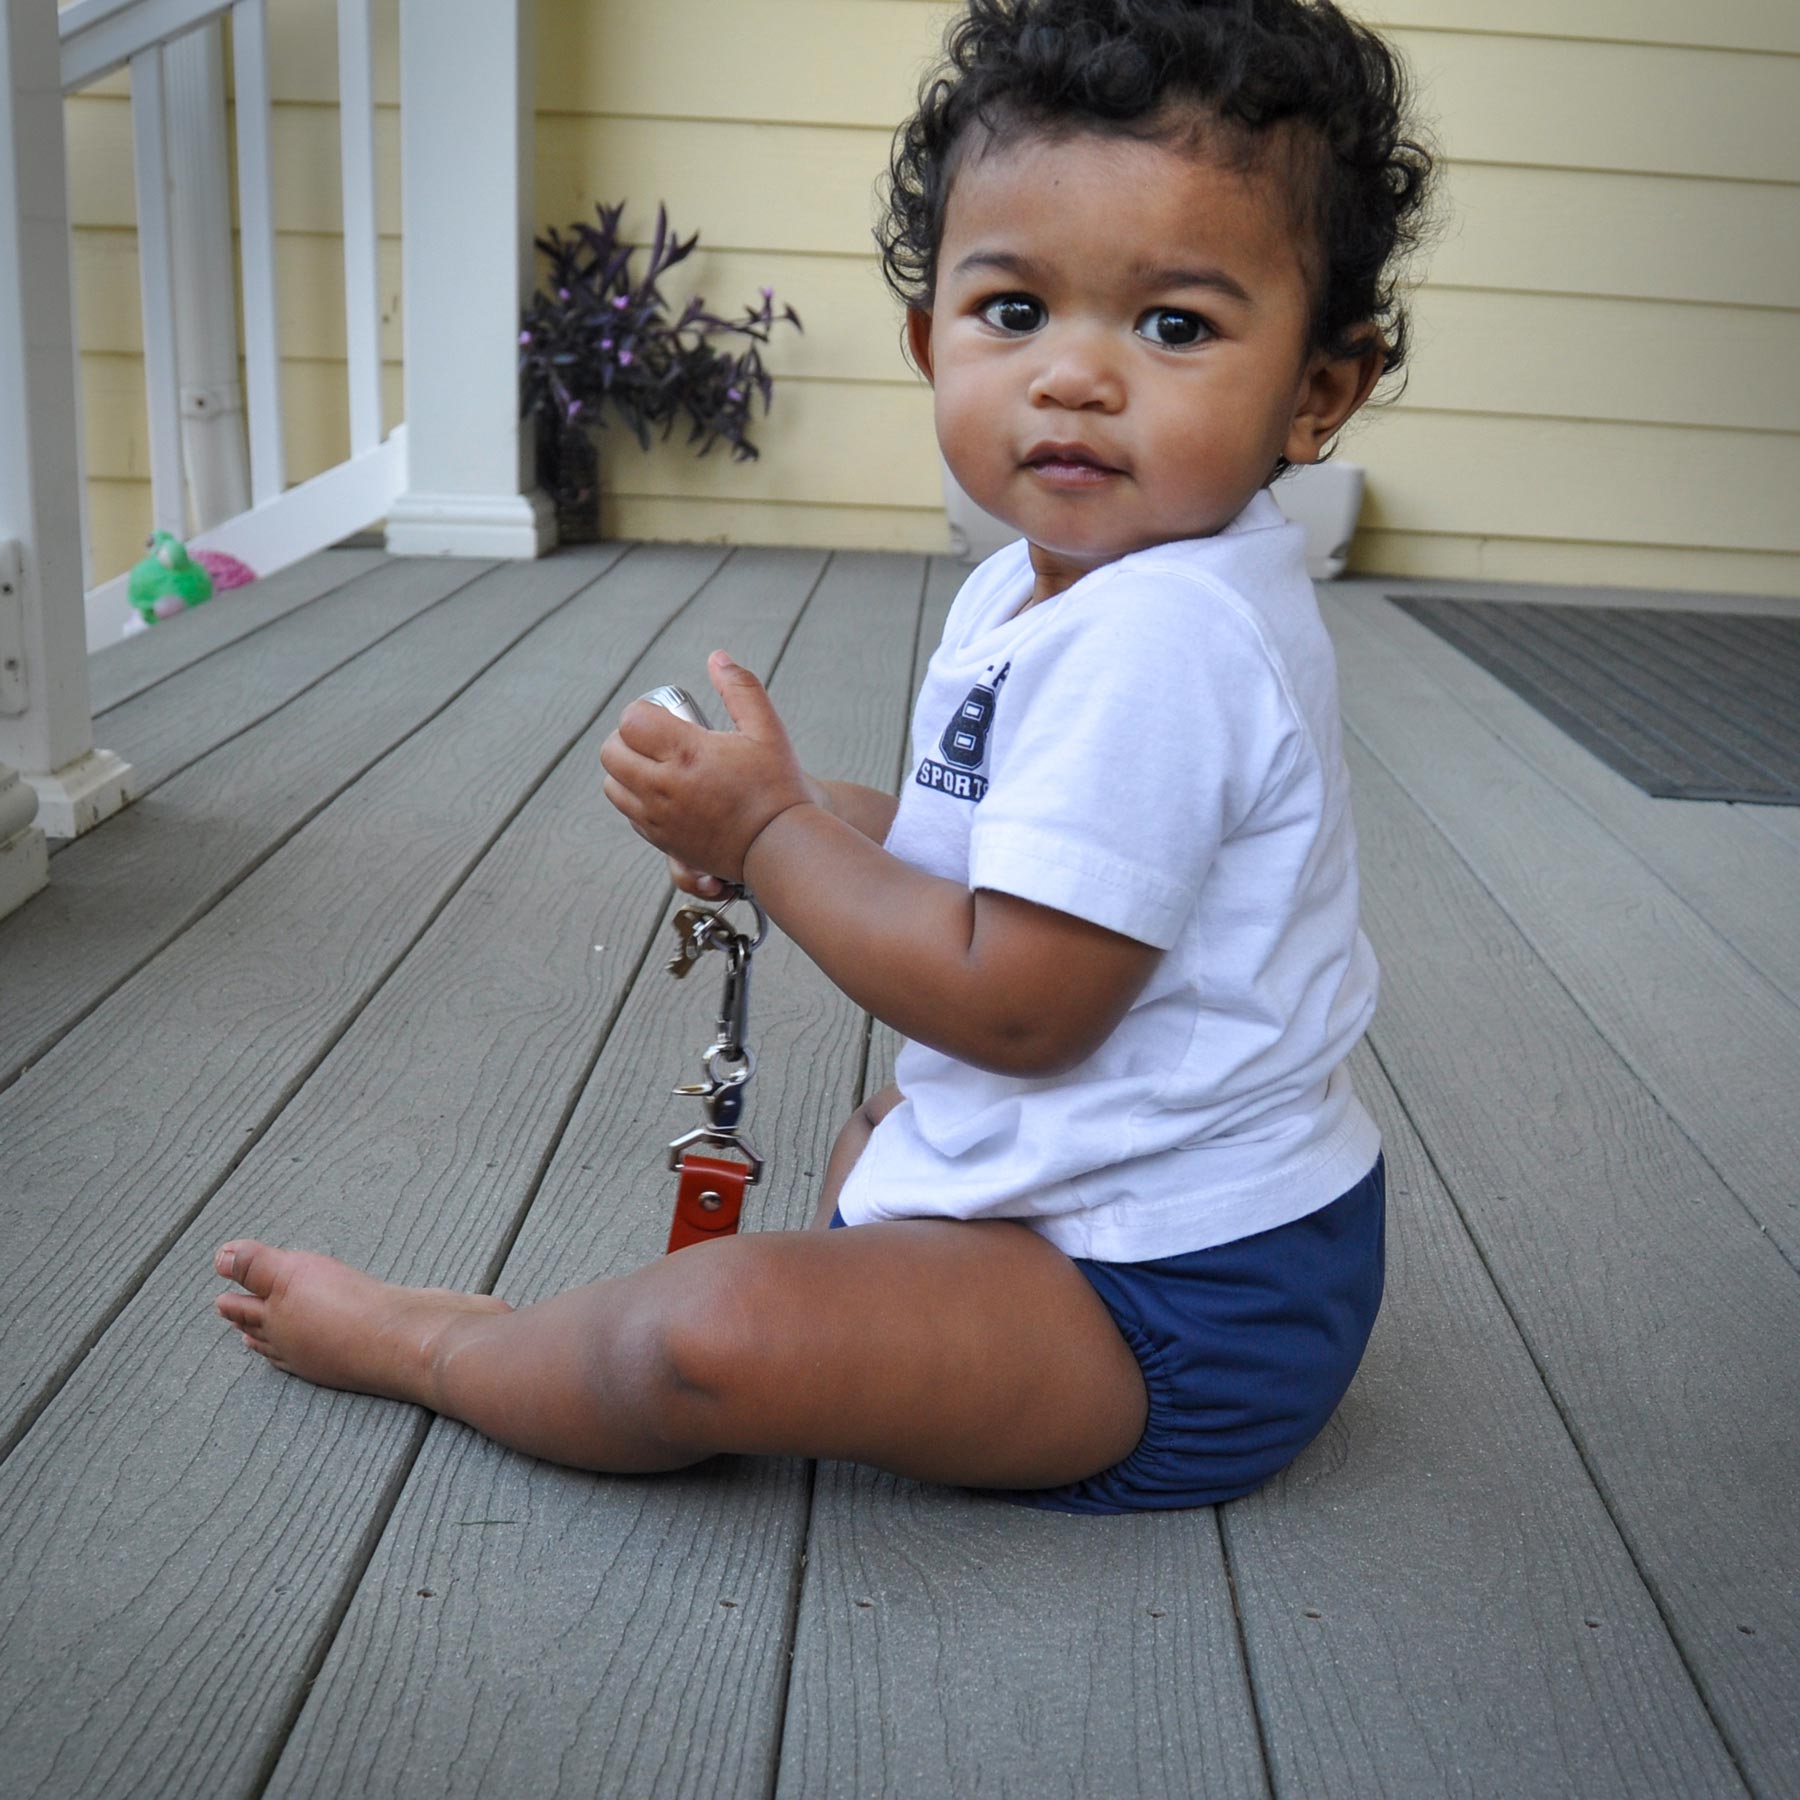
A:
{"points": [[1114, 1241]]}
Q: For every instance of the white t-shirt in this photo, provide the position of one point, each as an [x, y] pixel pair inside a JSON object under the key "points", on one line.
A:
{"points": [[1157, 750]]}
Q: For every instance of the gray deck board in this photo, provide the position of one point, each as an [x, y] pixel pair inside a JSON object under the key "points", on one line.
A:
{"points": [[956, 1644], [682, 1586], [191, 712], [118, 671], [208, 1043], [1737, 875], [1662, 1320], [381, 973], [1716, 1041], [1434, 1597], [124, 893], [412, 1147]]}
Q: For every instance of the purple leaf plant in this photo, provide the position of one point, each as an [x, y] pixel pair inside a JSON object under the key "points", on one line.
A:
{"points": [[599, 338]]}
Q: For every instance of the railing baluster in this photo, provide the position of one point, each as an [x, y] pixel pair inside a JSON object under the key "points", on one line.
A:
{"points": [[256, 228], [362, 295], [157, 278]]}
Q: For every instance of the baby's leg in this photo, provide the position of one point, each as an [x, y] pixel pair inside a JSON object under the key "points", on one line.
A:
{"points": [[972, 1353]]}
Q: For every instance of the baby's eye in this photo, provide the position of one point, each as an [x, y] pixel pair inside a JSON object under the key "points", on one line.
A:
{"points": [[1014, 312], [1172, 328]]}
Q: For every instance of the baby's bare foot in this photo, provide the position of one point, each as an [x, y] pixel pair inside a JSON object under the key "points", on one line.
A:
{"points": [[319, 1318]]}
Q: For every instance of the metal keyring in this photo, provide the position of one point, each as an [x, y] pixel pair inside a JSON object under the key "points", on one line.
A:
{"points": [[738, 1076], [755, 905]]}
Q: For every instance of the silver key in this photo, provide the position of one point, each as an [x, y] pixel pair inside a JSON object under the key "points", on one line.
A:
{"points": [[693, 926]]}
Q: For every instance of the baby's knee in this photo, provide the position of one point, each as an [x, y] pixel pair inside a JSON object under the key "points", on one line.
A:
{"points": [[703, 1348]]}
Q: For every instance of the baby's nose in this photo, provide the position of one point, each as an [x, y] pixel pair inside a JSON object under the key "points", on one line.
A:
{"points": [[1078, 372]]}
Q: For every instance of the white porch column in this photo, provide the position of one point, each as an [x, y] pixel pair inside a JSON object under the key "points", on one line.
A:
{"points": [[466, 134], [46, 727]]}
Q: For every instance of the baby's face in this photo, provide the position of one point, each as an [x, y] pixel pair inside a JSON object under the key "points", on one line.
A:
{"points": [[1118, 344]]}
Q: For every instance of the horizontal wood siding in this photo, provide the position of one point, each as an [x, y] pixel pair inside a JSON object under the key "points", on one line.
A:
{"points": [[1607, 379]]}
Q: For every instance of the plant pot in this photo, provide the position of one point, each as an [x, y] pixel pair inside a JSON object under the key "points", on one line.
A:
{"points": [[974, 535], [568, 470], [1324, 499]]}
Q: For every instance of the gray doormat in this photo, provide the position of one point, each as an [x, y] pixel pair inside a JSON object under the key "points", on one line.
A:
{"points": [[1688, 705]]}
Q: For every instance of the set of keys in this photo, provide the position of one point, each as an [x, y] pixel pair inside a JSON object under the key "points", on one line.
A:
{"points": [[729, 1061], [710, 1197]]}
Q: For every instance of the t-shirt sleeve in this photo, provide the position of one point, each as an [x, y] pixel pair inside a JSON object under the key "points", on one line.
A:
{"points": [[1128, 743]]}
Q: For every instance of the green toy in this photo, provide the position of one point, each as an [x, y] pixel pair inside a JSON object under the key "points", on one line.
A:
{"points": [[167, 581]]}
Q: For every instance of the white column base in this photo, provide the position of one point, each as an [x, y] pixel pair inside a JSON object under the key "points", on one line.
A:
{"points": [[79, 795], [24, 857], [512, 527]]}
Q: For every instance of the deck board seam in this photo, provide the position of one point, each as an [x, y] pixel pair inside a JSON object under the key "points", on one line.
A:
{"points": [[1245, 1661], [1619, 1051], [1570, 1430], [373, 1532]]}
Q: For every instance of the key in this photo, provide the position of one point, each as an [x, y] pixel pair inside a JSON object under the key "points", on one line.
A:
{"points": [[694, 928]]}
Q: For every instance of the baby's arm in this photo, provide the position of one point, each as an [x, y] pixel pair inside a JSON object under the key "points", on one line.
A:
{"points": [[988, 978], [985, 977], [868, 809]]}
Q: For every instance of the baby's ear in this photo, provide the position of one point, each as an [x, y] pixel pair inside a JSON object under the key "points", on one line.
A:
{"points": [[1334, 389], [918, 339]]}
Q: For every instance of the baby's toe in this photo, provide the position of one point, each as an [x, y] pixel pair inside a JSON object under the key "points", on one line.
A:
{"points": [[248, 1263], [245, 1311]]}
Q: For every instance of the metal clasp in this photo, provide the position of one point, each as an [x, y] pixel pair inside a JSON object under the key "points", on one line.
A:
{"points": [[723, 1140]]}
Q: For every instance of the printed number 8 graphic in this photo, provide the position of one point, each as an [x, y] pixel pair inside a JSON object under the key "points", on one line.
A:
{"points": [[964, 742]]}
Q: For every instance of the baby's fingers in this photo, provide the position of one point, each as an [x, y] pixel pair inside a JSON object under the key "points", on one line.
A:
{"points": [[692, 881], [625, 800]]}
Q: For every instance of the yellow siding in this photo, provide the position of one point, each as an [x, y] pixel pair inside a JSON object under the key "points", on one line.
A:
{"points": [[1607, 379]]}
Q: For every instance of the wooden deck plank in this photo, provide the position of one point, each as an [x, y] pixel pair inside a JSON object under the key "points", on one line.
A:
{"points": [[124, 892], [118, 671], [934, 1623], [1741, 879], [415, 1146], [178, 721], [1662, 1320], [950, 1642], [638, 1639], [1712, 1038], [1434, 1597], [119, 1133]]}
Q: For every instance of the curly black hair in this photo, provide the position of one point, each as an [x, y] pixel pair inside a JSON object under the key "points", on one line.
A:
{"points": [[1243, 71]]}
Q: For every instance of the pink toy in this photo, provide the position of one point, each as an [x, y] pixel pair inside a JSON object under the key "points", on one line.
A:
{"points": [[226, 571]]}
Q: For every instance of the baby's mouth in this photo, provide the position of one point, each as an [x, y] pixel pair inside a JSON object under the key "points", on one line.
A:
{"points": [[1068, 465]]}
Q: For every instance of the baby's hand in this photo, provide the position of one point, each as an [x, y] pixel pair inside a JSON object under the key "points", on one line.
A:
{"points": [[702, 797]]}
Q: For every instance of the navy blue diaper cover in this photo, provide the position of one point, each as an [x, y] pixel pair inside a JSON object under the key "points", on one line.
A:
{"points": [[1246, 1350]]}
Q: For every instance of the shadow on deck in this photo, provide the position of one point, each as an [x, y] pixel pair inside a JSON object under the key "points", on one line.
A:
{"points": [[370, 966]]}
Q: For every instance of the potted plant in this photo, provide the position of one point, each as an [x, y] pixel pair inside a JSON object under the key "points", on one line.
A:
{"points": [[599, 339]]}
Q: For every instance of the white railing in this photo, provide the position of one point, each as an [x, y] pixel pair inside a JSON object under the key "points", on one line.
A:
{"points": [[462, 488], [282, 524]]}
